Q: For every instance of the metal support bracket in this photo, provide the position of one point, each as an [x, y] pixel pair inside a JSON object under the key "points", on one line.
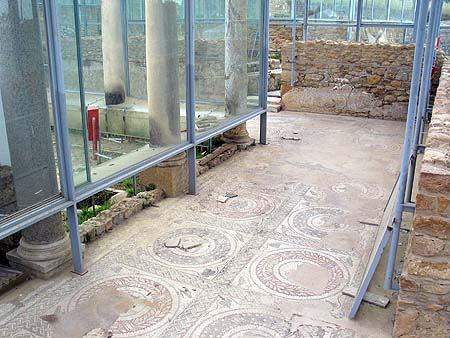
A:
{"points": [[409, 207], [421, 148]]}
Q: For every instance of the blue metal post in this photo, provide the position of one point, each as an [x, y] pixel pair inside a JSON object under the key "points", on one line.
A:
{"points": [[189, 17], [425, 86], [294, 42], [305, 21], [359, 14], [81, 88], [416, 18], [60, 114], [414, 91], [124, 17], [264, 66]]}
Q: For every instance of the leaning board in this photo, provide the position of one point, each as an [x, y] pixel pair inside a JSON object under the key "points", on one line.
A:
{"points": [[383, 234]]}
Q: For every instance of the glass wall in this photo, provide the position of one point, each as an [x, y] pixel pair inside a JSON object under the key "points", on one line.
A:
{"points": [[227, 61], [134, 85], [28, 170]]}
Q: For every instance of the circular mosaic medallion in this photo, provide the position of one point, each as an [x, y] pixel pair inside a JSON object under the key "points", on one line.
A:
{"points": [[315, 222], [242, 324], [288, 272], [242, 207], [151, 303], [194, 247], [365, 191]]}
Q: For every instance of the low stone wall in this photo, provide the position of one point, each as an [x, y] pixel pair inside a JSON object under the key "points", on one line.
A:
{"points": [[423, 308], [369, 80], [117, 214]]}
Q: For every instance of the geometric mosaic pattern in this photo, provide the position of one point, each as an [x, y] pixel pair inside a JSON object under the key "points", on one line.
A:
{"points": [[288, 272], [270, 262]]}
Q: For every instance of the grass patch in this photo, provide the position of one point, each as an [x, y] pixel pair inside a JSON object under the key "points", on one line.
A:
{"points": [[87, 213]]}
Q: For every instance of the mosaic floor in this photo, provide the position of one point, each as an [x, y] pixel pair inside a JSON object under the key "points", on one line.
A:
{"points": [[271, 262]]}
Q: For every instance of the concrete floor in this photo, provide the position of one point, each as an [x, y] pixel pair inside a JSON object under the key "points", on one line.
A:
{"points": [[271, 262]]}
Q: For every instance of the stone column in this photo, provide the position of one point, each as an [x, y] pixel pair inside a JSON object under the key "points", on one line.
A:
{"points": [[112, 49], [163, 96], [162, 72], [236, 78], [44, 246]]}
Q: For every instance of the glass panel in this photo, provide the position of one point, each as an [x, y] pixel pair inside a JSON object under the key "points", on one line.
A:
{"points": [[127, 129], [386, 35], [389, 10], [28, 171], [445, 28], [332, 11], [67, 30], [223, 93], [445, 39], [280, 9]]}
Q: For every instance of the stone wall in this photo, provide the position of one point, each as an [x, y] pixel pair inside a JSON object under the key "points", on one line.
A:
{"points": [[369, 80], [279, 35], [423, 308]]}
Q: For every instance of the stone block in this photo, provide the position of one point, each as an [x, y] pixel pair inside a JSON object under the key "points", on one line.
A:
{"points": [[435, 183], [408, 284], [437, 288], [425, 202], [426, 246], [405, 322], [171, 176], [373, 79], [431, 269], [432, 225], [443, 204]]}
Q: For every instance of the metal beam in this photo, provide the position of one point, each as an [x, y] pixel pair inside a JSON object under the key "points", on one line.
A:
{"points": [[294, 42], [305, 21], [124, 22], [60, 114], [189, 17], [264, 66], [414, 91], [425, 86], [359, 14], [416, 18], [81, 92]]}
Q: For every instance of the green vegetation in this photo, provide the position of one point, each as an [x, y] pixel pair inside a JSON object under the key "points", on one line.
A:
{"points": [[127, 184], [87, 213]]}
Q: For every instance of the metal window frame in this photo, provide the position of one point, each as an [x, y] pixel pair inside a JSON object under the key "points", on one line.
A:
{"points": [[70, 194]]}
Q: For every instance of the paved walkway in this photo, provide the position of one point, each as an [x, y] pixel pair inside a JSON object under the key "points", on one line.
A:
{"points": [[271, 262]]}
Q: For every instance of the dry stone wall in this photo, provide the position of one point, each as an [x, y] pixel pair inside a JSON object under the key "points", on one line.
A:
{"points": [[423, 308], [369, 80], [279, 35]]}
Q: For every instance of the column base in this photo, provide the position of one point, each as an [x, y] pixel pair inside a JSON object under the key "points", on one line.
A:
{"points": [[41, 260], [238, 136], [170, 175]]}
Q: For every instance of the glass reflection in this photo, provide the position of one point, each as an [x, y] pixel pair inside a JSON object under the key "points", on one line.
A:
{"points": [[28, 172], [227, 66]]}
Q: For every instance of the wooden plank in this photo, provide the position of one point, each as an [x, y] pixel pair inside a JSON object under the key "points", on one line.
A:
{"points": [[369, 297]]}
